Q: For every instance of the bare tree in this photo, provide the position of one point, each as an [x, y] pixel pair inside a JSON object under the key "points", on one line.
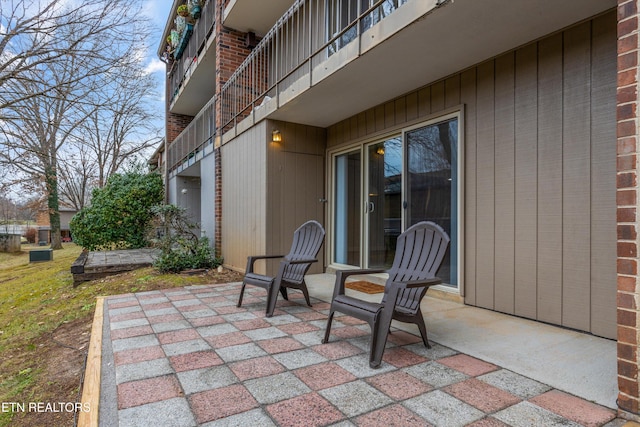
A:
{"points": [[121, 126], [7, 212], [35, 33], [118, 131], [77, 177], [34, 140], [66, 54], [27, 209]]}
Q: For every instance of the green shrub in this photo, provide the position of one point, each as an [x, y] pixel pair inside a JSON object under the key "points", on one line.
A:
{"points": [[120, 212], [31, 234], [181, 258], [180, 247]]}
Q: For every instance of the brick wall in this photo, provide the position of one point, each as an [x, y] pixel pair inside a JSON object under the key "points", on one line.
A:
{"points": [[218, 205], [231, 52], [627, 199], [176, 124]]}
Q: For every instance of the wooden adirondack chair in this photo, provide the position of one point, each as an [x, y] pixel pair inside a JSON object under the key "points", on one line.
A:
{"points": [[419, 253], [307, 240]]}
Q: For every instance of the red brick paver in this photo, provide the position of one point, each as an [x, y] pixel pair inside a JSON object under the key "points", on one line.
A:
{"points": [[221, 402], [256, 368], [138, 355], [574, 408], [151, 390], [399, 385], [400, 358], [308, 410], [482, 395], [468, 365], [198, 360], [394, 415], [324, 375]]}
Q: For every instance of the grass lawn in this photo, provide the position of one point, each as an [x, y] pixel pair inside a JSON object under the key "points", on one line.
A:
{"points": [[45, 324]]}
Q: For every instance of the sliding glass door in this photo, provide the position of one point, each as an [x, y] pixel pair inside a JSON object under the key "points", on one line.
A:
{"points": [[383, 206], [431, 188], [347, 213], [382, 187]]}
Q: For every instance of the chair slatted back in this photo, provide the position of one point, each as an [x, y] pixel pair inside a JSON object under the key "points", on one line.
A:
{"points": [[419, 253], [307, 240]]}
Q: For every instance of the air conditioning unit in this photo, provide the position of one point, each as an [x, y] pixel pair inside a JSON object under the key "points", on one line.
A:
{"points": [[37, 255]]}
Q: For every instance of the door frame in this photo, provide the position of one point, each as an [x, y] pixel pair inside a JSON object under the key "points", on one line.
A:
{"points": [[460, 176], [361, 144]]}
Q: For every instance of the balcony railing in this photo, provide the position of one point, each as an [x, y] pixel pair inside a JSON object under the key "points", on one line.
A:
{"points": [[308, 33], [182, 68], [194, 141]]}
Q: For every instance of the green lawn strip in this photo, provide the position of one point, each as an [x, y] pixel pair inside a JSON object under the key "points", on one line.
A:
{"points": [[36, 298]]}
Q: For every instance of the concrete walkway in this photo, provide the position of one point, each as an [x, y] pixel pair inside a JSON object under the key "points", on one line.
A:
{"points": [[189, 356], [575, 362]]}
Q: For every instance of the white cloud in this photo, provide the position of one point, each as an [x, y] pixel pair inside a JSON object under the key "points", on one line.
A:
{"points": [[158, 12], [155, 66]]}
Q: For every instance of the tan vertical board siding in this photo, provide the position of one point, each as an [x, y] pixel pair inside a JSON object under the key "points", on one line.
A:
{"points": [[295, 185], [549, 233], [277, 237], [437, 97], [389, 114], [355, 127], [424, 101], [603, 184], [539, 141], [412, 106], [379, 118], [370, 122], [526, 181], [452, 91], [485, 186], [576, 203], [504, 183], [401, 110], [244, 197], [468, 98]]}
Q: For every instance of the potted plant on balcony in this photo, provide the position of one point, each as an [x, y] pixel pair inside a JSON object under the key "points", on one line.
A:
{"points": [[195, 8], [181, 24], [183, 10], [175, 38]]}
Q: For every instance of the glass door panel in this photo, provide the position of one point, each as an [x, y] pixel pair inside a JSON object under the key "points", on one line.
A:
{"points": [[347, 209], [432, 184], [383, 201]]}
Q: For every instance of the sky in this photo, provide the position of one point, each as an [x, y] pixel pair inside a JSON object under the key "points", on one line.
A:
{"points": [[157, 11]]}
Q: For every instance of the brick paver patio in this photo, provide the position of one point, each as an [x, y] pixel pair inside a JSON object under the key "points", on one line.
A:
{"points": [[189, 356]]}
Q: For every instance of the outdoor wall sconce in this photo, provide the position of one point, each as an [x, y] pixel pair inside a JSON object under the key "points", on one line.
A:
{"points": [[276, 136], [184, 191]]}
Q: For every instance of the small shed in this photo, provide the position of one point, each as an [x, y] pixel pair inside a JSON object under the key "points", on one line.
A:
{"points": [[10, 242]]}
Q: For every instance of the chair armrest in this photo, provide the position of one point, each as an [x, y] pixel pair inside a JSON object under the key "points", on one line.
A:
{"points": [[253, 258], [299, 261], [418, 283]]}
